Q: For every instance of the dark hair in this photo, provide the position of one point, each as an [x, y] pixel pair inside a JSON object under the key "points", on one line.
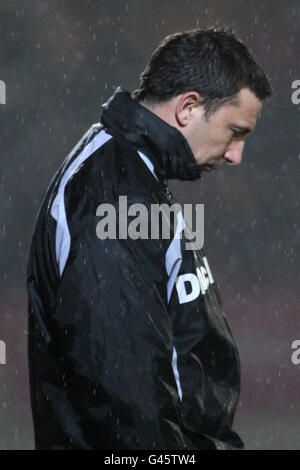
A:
{"points": [[212, 62]]}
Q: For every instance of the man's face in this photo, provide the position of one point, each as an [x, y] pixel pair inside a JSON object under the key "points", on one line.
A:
{"points": [[222, 137]]}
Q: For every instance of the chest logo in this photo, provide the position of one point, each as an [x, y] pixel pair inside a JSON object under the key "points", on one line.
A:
{"points": [[190, 285]]}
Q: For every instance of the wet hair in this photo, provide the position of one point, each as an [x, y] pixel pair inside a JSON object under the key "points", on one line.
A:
{"points": [[212, 62]]}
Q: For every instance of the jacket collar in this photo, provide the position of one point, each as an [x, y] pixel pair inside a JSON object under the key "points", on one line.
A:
{"points": [[167, 148]]}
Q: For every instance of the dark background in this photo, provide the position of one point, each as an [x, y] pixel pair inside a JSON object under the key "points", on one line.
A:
{"points": [[60, 60]]}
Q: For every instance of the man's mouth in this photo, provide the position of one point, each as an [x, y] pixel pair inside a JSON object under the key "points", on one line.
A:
{"points": [[210, 167], [216, 165]]}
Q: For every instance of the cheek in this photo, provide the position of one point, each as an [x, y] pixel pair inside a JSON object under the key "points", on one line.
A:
{"points": [[222, 141], [217, 145]]}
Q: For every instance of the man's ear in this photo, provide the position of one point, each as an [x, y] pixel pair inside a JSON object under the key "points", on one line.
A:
{"points": [[186, 107]]}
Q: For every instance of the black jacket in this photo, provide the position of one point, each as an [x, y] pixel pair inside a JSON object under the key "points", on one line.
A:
{"points": [[129, 346]]}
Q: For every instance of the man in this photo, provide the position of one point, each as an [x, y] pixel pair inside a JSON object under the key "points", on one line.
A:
{"points": [[129, 346]]}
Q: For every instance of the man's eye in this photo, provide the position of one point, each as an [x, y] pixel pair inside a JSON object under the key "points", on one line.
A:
{"points": [[236, 133]]}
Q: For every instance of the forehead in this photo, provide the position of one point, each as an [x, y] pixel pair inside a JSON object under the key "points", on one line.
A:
{"points": [[243, 113]]}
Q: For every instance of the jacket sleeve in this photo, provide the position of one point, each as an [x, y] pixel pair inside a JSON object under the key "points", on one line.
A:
{"points": [[114, 337]]}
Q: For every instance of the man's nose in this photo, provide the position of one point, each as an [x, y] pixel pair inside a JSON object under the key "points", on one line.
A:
{"points": [[234, 153]]}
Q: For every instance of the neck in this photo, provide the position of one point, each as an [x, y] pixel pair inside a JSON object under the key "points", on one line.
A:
{"points": [[169, 151], [165, 111]]}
